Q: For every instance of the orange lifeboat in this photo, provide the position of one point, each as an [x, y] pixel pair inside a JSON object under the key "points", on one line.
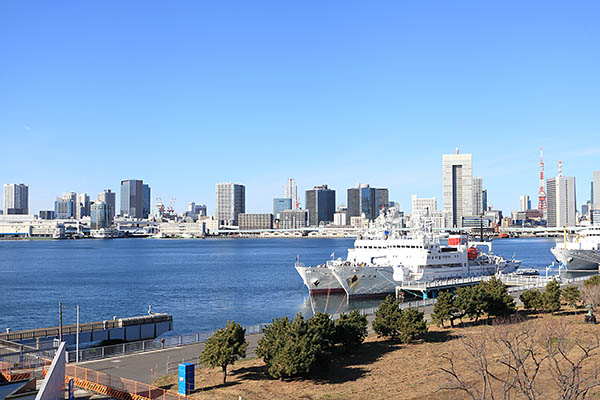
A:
{"points": [[472, 253]]}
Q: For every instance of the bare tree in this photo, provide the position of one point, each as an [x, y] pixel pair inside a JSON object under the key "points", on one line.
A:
{"points": [[572, 360], [506, 361], [591, 296]]}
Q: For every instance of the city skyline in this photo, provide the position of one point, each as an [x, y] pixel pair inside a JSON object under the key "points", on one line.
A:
{"points": [[333, 93], [341, 194]]}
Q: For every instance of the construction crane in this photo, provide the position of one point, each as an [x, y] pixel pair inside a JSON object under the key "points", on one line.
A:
{"points": [[171, 208], [160, 206]]}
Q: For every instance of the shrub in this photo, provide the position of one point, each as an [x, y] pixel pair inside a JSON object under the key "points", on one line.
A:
{"points": [[571, 295], [351, 330], [224, 347], [288, 348], [551, 296], [387, 318], [532, 299]]}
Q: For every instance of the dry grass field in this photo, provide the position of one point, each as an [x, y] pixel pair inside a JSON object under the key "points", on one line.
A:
{"points": [[380, 370]]}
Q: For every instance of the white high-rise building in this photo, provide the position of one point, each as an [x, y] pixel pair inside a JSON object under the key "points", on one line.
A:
{"points": [[560, 200], [457, 187], [16, 199], [596, 191], [291, 192], [427, 204], [477, 196], [230, 202], [83, 206], [524, 203]]}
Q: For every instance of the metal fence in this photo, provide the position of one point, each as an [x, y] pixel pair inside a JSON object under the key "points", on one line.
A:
{"points": [[117, 387]]}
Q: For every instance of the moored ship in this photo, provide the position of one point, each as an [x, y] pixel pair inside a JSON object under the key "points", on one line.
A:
{"points": [[383, 258], [581, 252]]}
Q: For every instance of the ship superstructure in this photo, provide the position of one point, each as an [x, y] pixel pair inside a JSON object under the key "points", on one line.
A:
{"points": [[383, 256]]}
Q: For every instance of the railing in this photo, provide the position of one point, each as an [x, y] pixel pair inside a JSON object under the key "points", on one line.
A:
{"points": [[117, 387], [97, 353]]}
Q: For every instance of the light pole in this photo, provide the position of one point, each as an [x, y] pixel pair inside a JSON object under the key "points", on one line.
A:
{"points": [[77, 337]]}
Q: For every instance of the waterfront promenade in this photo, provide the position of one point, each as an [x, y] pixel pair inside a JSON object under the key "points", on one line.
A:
{"points": [[148, 366]]}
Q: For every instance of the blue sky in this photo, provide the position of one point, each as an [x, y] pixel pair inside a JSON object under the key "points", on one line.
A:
{"points": [[187, 94]]}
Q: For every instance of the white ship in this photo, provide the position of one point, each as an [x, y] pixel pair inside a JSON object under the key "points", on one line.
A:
{"points": [[382, 259], [581, 252]]}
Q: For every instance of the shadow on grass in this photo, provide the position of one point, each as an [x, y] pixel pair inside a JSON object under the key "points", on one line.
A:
{"points": [[439, 336], [342, 368], [213, 387]]}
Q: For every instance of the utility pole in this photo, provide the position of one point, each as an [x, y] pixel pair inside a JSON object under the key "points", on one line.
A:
{"points": [[77, 337], [60, 331]]}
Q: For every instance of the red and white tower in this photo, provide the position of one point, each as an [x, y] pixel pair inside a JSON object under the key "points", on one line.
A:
{"points": [[542, 192]]}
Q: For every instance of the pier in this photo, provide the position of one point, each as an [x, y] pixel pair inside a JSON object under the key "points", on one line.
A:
{"points": [[431, 289], [127, 329]]}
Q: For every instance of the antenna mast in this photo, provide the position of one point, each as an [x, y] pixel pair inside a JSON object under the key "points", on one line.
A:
{"points": [[542, 192]]}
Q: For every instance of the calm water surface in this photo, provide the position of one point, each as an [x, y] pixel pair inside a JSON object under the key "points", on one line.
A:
{"points": [[202, 283]]}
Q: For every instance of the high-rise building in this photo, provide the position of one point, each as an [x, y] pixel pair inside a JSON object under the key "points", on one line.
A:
{"points": [[82, 206], [291, 192], [132, 198], [147, 201], [65, 207], [200, 210], [110, 198], [47, 214], [16, 199], [100, 215], [477, 196], [255, 221], [424, 205], [366, 200], [320, 203], [280, 204], [484, 200], [230, 202], [524, 203], [457, 186], [596, 190], [560, 201], [293, 219]]}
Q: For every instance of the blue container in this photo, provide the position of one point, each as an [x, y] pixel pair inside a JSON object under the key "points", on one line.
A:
{"points": [[186, 378]]}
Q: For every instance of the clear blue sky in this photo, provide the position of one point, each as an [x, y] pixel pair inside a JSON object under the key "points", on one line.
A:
{"points": [[187, 94]]}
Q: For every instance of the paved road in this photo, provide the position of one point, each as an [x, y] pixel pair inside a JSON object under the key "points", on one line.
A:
{"points": [[146, 367]]}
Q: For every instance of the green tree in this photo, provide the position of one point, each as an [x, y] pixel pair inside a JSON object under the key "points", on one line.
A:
{"points": [[351, 330], [594, 280], [532, 299], [469, 302], [387, 318], [551, 296], [412, 325], [225, 347], [289, 348], [321, 329], [444, 308], [495, 298], [571, 295]]}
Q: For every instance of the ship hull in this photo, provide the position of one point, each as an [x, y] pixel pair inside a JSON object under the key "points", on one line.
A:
{"points": [[365, 281], [576, 260], [319, 280]]}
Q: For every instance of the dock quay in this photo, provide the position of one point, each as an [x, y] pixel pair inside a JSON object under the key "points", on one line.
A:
{"points": [[430, 289], [127, 329]]}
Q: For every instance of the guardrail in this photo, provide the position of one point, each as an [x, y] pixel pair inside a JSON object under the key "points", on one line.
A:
{"points": [[117, 387]]}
